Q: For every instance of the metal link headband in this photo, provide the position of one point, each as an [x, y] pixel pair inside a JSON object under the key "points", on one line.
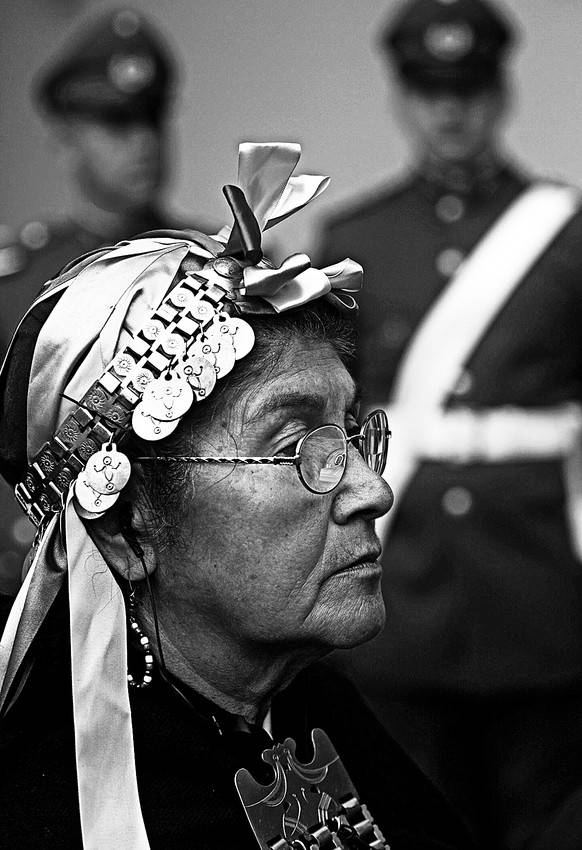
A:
{"points": [[187, 343]]}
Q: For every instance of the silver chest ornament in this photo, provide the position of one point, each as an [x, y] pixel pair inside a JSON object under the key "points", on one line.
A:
{"points": [[307, 806]]}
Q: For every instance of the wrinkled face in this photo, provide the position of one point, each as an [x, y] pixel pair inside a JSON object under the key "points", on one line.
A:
{"points": [[268, 563], [450, 126], [119, 166]]}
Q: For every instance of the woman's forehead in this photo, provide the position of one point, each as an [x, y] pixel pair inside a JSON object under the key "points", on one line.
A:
{"points": [[310, 378]]}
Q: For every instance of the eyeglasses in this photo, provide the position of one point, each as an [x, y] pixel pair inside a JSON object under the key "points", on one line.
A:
{"points": [[321, 455]]}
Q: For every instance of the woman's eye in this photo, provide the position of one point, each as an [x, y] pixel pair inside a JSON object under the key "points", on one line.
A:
{"points": [[287, 443], [288, 448]]}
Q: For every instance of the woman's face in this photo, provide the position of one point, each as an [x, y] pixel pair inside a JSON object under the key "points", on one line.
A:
{"points": [[266, 562]]}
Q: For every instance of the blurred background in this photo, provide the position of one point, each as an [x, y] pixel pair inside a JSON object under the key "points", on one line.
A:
{"points": [[311, 71], [307, 71]]}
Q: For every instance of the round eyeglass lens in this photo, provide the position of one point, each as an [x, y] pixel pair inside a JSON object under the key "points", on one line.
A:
{"points": [[375, 438], [322, 458]]}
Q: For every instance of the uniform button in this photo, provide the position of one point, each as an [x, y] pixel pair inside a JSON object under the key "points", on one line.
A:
{"points": [[450, 208], [457, 501], [34, 235], [448, 261], [465, 383]]}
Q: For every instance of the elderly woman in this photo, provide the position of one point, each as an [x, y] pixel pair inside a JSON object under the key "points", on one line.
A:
{"points": [[205, 498]]}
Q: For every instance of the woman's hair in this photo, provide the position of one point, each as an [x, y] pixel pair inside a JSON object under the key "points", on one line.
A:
{"points": [[165, 486]]}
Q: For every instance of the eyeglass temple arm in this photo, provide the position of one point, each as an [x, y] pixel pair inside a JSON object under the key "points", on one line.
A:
{"points": [[281, 460]]}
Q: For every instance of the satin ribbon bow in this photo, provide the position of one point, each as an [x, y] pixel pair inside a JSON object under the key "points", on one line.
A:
{"points": [[266, 194]]}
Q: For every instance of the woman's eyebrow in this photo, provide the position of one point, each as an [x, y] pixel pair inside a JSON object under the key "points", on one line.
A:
{"points": [[299, 400], [290, 401]]}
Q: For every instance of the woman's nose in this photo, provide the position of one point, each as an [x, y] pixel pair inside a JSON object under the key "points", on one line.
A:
{"points": [[361, 491]]}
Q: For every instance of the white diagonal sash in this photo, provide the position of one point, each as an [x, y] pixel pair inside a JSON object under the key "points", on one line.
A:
{"points": [[461, 315]]}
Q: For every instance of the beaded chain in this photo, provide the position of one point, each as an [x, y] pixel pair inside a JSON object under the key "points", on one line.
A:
{"points": [[146, 648]]}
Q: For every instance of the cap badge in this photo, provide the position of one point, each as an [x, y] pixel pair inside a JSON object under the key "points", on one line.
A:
{"points": [[131, 74], [449, 42]]}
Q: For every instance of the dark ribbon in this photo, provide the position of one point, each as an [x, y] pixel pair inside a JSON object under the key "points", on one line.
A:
{"points": [[244, 242]]}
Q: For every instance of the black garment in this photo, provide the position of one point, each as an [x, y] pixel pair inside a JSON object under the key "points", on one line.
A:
{"points": [[508, 762], [482, 586], [186, 768]]}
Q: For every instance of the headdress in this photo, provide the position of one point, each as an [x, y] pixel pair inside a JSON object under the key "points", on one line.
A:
{"points": [[129, 339]]}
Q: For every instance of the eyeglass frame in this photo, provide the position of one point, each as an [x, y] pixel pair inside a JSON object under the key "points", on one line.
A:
{"points": [[284, 460]]}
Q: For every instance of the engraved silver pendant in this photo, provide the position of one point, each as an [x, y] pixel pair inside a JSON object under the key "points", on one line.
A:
{"points": [[108, 470], [148, 427], [217, 348], [200, 374], [168, 397], [243, 337], [91, 503]]}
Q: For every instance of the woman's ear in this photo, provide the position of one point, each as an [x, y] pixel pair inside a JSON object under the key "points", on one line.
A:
{"points": [[121, 537]]}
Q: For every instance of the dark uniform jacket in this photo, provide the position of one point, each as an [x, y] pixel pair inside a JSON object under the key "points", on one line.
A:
{"points": [[483, 591], [186, 767], [26, 269]]}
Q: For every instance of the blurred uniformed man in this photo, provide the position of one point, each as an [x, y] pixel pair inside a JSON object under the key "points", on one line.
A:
{"points": [[470, 337], [106, 97]]}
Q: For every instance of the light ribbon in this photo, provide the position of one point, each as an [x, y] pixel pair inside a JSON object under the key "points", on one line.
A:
{"points": [[296, 282], [108, 797], [264, 175], [273, 194]]}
